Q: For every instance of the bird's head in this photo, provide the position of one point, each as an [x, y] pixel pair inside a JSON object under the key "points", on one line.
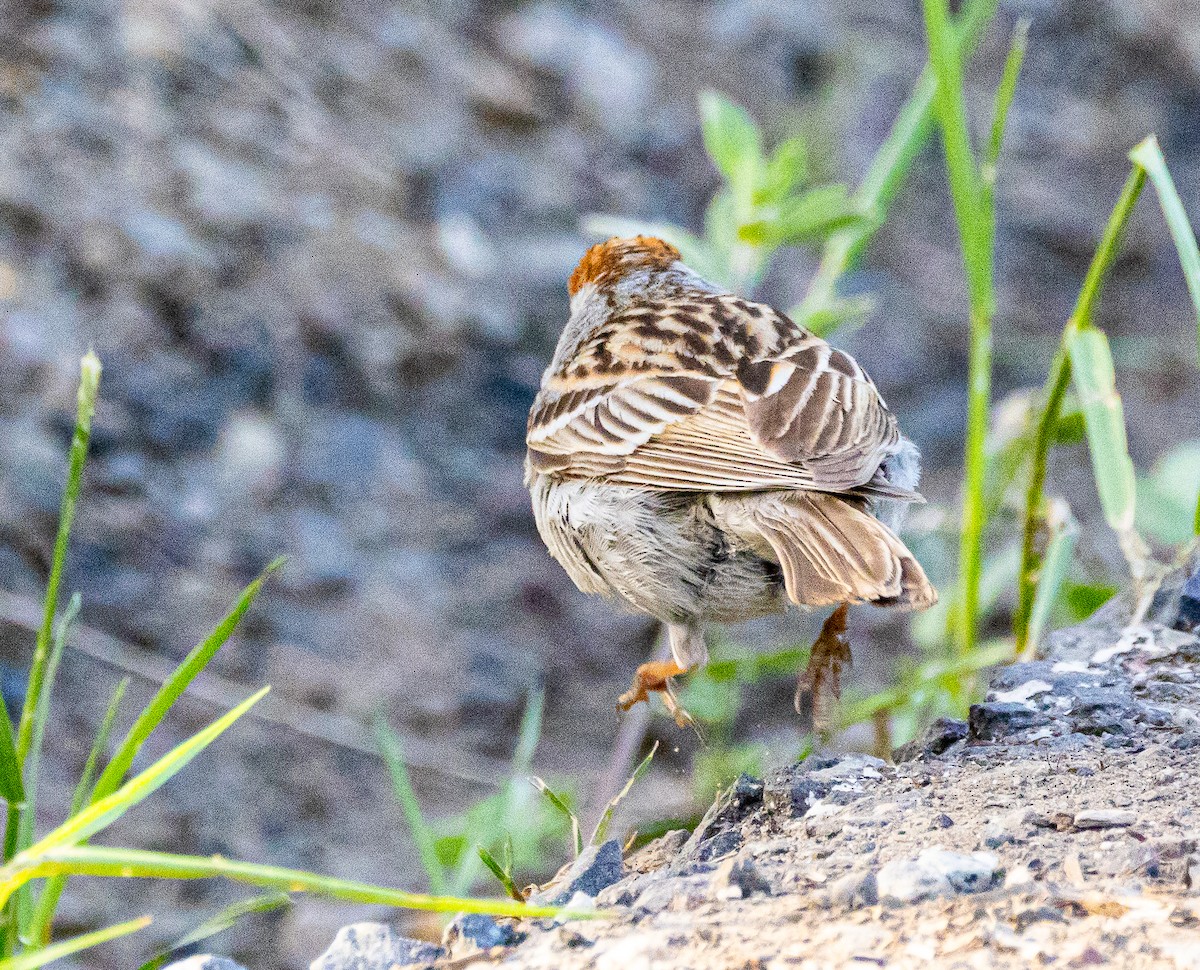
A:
{"points": [[607, 263]]}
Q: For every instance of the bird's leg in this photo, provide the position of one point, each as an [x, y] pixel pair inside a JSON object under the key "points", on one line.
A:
{"points": [[655, 677], [820, 686], [688, 651]]}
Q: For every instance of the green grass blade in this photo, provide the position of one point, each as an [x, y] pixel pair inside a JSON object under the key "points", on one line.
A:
{"points": [[889, 167], [89, 388], [1095, 382], [1057, 560], [99, 815], [950, 106], [11, 787], [529, 734], [424, 837], [99, 746], [1004, 97], [85, 941], [976, 229], [40, 718], [1149, 156], [600, 833], [166, 696], [219, 923], [47, 905], [28, 812], [497, 870], [12, 755], [1056, 389], [573, 819], [123, 863]]}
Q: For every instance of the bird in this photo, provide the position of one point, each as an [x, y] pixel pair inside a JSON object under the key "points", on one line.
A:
{"points": [[700, 458]]}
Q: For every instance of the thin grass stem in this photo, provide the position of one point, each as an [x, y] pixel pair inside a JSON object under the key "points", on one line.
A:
{"points": [[1056, 389], [85, 941], [89, 388], [143, 864], [47, 905]]}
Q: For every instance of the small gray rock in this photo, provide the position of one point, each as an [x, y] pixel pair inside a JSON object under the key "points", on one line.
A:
{"points": [[1189, 604], [942, 733], [477, 931], [205, 961], [937, 872], [792, 795], [738, 879], [854, 890], [676, 892], [995, 720], [371, 946], [1104, 818], [597, 868]]}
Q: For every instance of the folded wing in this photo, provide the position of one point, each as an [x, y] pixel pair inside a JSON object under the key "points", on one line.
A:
{"points": [[713, 393]]}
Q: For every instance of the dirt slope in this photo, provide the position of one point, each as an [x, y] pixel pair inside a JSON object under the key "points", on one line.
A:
{"points": [[1058, 828]]}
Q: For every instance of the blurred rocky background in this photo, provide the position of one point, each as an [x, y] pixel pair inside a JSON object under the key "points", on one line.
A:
{"points": [[322, 248]]}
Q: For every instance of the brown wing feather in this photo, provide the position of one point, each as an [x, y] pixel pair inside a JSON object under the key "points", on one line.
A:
{"points": [[831, 551], [710, 392]]}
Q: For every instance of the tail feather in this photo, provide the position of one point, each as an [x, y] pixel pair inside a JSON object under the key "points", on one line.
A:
{"points": [[832, 550]]}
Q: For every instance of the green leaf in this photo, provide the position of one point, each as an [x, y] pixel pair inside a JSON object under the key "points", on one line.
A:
{"points": [[505, 878], [562, 807], [166, 696], [11, 787], [1055, 394], [1004, 95], [786, 170], [1150, 157], [1095, 383], [423, 835], [1169, 493], [1081, 600], [56, 951], [803, 218], [732, 140]]}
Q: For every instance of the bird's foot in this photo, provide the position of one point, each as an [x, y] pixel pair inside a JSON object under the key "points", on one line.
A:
{"points": [[655, 677], [820, 686]]}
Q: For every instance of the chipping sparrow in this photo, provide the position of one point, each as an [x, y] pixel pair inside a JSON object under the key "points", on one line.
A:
{"points": [[703, 458]]}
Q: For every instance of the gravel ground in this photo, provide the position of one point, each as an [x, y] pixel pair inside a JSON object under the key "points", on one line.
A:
{"points": [[1059, 826]]}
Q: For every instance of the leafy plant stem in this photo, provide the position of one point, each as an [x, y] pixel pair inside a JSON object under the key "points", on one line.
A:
{"points": [[1056, 389]]}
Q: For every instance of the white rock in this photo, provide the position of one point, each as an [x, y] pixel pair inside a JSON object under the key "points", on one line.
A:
{"points": [[937, 872]]}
